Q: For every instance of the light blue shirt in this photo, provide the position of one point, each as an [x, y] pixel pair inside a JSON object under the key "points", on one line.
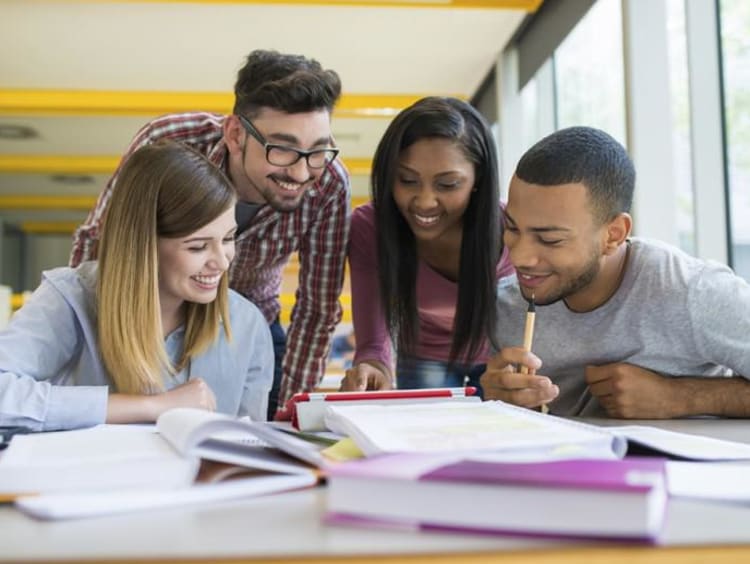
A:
{"points": [[52, 377]]}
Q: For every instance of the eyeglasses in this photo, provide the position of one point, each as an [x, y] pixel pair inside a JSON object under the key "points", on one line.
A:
{"points": [[282, 155]]}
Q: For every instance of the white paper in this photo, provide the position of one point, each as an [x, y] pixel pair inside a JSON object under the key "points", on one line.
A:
{"points": [[709, 480], [684, 445], [490, 426], [99, 458], [76, 506]]}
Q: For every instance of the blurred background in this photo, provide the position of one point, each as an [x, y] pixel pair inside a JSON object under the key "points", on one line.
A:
{"points": [[670, 79]]}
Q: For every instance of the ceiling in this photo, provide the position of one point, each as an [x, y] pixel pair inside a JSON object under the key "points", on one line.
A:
{"points": [[83, 76]]}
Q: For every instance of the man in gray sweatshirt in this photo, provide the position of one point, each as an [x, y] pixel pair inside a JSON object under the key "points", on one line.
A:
{"points": [[625, 327]]}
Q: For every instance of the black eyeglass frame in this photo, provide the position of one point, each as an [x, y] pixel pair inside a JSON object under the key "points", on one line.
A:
{"points": [[258, 136]]}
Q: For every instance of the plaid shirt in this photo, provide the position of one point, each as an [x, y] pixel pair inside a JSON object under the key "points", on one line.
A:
{"points": [[318, 230]]}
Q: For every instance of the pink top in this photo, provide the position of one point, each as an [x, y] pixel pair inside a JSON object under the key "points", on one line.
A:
{"points": [[436, 299]]}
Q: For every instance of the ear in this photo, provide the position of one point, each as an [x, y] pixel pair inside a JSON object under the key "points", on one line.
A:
{"points": [[234, 134], [617, 232]]}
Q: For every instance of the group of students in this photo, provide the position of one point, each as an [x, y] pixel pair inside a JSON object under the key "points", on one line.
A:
{"points": [[441, 273]]}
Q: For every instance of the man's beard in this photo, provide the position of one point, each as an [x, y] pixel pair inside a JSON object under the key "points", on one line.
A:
{"points": [[575, 285], [271, 194]]}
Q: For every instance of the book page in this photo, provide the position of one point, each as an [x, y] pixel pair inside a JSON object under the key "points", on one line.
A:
{"points": [[220, 437], [684, 445], [97, 444], [505, 431], [184, 428], [80, 505], [103, 457], [702, 480]]}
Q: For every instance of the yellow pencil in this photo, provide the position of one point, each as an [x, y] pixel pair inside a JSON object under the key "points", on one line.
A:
{"points": [[528, 338], [528, 331]]}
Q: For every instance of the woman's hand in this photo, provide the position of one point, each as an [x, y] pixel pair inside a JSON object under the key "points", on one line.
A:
{"points": [[122, 408], [368, 375]]}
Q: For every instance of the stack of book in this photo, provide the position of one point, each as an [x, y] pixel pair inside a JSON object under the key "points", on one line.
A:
{"points": [[494, 467]]}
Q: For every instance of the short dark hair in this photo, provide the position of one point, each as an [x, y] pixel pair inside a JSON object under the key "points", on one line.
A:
{"points": [[587, 156], [289, 83], [456, 121]]}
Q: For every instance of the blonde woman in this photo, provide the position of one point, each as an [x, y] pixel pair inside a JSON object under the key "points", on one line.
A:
{"points": [[152, 324]]}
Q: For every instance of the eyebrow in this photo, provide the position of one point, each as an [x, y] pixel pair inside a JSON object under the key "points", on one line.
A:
{"points": [[196, 239], [545, 229], [292, 140], [445, 173]]}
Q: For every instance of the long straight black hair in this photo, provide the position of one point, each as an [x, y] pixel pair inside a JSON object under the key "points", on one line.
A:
{"points": [[474, 322]]}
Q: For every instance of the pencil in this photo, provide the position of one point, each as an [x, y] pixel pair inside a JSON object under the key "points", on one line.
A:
{"points": [[528, 338], [528, 331]]}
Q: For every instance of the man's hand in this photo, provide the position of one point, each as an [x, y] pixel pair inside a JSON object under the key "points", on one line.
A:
{"points": [[503, 381], [366, 376], [629, 392]]}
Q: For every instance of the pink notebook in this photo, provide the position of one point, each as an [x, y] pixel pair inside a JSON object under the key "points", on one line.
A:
{"points": [[623, 499]]}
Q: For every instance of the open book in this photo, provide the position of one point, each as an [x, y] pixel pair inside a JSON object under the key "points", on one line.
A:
{"points": [[214, 436], [95, 459], [506, 432], [158, 469]]}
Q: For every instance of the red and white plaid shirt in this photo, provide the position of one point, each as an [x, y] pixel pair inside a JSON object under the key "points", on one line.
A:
{"points": [[318, 230]]}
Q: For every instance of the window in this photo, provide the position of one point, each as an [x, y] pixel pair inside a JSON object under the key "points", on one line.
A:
{"points": [[735, 44], [589, 72], [681, 147]]}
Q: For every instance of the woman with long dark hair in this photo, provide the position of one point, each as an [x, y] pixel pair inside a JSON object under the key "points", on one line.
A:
{"points": [[425, 254]]}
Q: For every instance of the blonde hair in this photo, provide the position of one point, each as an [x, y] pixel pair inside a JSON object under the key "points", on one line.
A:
{"points": [[163, 190]]}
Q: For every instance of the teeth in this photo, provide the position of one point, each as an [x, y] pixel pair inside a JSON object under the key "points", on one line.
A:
{"points": [[208, 280], [289, 186], [426, 220]]}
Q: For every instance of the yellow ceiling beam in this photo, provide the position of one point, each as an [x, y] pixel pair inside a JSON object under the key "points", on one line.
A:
{"points": [[49, 227], [109, 102], [358, 167], [37, 202], [58, 164], [15, 102], [525, 5]]}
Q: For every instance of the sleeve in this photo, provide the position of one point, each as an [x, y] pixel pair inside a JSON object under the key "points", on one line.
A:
{"points": [[259, 373], [40, 340], [719, 309], [372, 338], [317, 309], [86, 237]]}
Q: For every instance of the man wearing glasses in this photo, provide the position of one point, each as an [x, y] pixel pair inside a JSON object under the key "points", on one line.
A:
{"points": [[278, 150]]}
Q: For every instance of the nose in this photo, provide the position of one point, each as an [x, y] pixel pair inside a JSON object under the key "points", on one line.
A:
{"points": [[299, 171], [222, 257], [425, 199], [522, 252]]}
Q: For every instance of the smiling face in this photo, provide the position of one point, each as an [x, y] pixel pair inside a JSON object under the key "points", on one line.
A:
{"points": [[555, 243], [191, 267], [433, 187], [258, 181]]}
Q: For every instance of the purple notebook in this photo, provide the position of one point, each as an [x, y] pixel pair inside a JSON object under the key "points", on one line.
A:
{"points": [[587, 474], [622, 499]]}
